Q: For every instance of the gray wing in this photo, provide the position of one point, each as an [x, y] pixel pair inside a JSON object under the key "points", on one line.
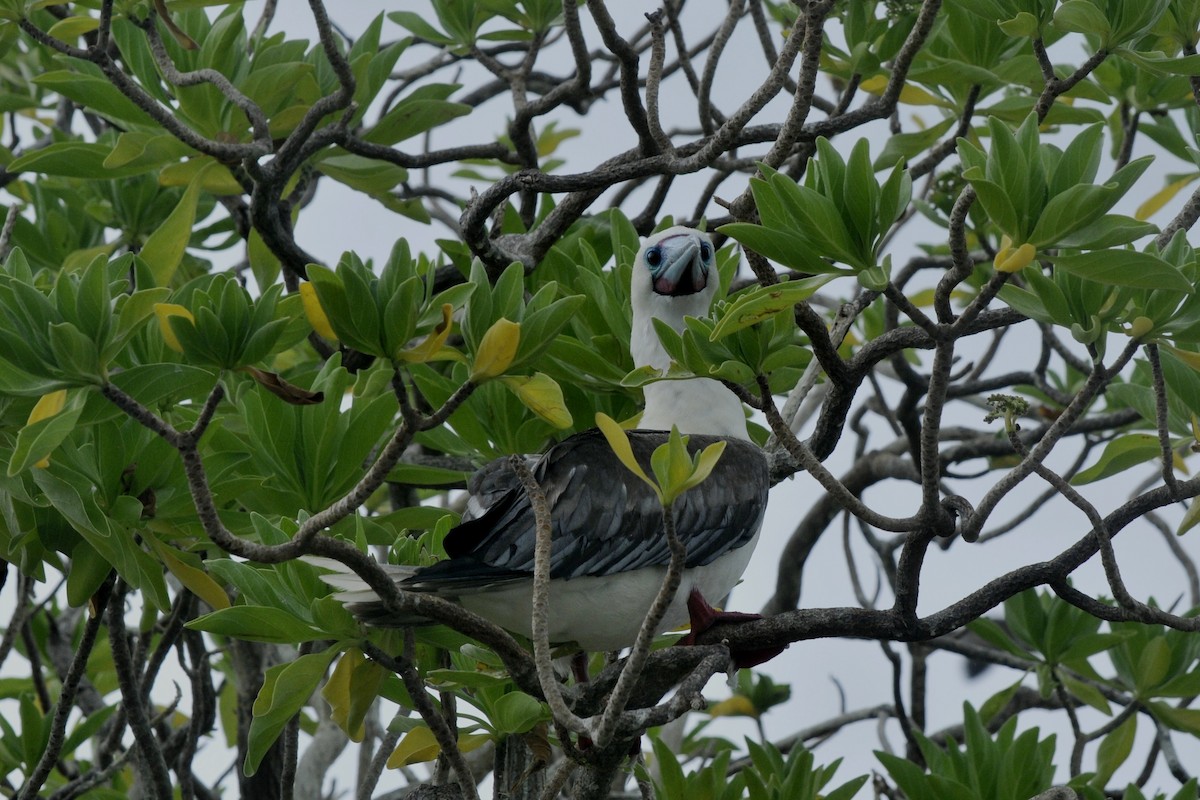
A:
{"points": [[605, 520]]}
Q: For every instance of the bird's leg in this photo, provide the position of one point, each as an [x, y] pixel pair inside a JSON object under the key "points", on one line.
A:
{"points": [[579, 667], [703, 616]]}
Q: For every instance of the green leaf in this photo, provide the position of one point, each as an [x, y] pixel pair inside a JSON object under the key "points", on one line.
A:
{"points": [[704, 465], [87, 573], [1023, 24], [257, 624], [1153, 663], [671, 781], [75, 353], [643, 375], [907, 145], [517, 712], [417, 24], [732, 371], [420, 475], [412, 117], [781, 246], [991, 632], [273, 87], [36, 441], [93, 302], [1119, 455], [1081, 16], [74, 496], [368, 175], [1027, 303], [164, 248], [672, 465], [819, 216], [996, 202], [1086, 692], [147, 150], [1189, 791], [96, 94], [761, 302], [1159, 65], [71, 28], [1181, 719], [1114, 750], [1072, 210], [88, 727], [150, 384], [35, 729], [71, 160], [1125, 268], [999, 701], [285, 690], [1185, 685]]}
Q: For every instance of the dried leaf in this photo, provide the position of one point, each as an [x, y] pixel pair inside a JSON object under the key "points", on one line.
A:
{"points": [[287, 392]]}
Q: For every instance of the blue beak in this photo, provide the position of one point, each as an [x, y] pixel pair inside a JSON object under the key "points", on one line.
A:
{"points": [[681, 270]]}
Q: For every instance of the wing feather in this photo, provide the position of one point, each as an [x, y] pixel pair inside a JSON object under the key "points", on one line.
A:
{"points": [[605, 520]]}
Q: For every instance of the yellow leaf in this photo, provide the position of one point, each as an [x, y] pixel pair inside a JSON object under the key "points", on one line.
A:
{"points": [[214, 177], [619, 443], [909, 93], [337, 692], [1012, 260], [1140, 328], [315, 313], [1187, 357], [470, 741], [197, 581], [737, 706], [431, 344], [47, 406], [1162, 197], [497, 350], [542, 395], [352, 690], [164, 312], [417, 746]]}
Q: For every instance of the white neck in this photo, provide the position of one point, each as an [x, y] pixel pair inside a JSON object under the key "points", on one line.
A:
{"points": [[696, 405]]}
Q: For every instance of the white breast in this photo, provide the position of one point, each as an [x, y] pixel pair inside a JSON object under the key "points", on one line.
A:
{"points": [[698, 405]]}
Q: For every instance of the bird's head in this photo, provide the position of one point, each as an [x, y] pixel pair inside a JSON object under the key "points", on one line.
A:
{"points": [[675, 271], [675, 276]]}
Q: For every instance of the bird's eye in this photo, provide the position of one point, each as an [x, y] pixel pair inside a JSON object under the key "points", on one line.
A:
{"points": [[654, 256], [705, 251]]}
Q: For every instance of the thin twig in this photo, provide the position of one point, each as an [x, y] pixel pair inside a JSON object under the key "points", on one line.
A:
{"points": [[606, 728], [541, 600]]}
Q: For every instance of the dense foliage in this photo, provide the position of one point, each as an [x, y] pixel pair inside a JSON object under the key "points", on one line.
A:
{"points": [[952, 283]]}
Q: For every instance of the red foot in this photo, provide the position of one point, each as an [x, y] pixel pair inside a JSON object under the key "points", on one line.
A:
{"points": [[704, 616]]}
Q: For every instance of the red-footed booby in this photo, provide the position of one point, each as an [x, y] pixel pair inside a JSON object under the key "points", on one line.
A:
{"points": [[609, 553]]}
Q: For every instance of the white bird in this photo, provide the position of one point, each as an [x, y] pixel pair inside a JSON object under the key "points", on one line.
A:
{"points": [[609, 553]]}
